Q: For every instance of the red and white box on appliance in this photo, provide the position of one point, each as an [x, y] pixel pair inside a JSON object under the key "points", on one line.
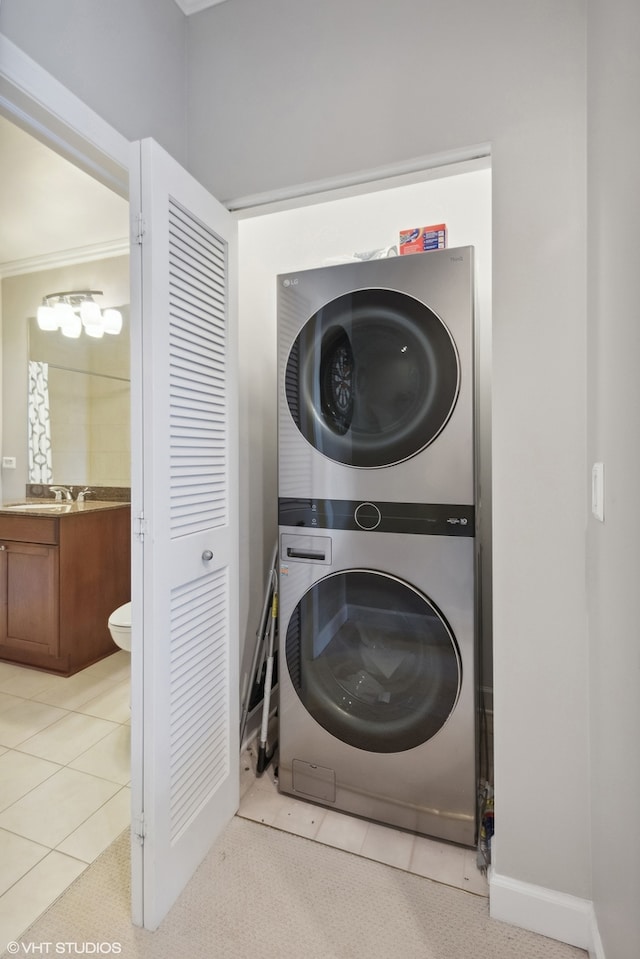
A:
{"points": [[424, 238]]}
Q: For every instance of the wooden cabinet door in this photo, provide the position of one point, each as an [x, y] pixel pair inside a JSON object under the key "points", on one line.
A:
{"points": [[29, 618]]}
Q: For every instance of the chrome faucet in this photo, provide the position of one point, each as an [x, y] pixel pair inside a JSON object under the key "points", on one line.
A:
{"points": [[59, 490], [82, 493]]}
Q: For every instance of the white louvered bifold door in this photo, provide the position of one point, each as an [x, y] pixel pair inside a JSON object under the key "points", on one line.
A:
{"points": [[184, 507]]}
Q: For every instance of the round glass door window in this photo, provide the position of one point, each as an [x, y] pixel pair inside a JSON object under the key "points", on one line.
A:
{"points": [[373, 661], [372, 378]]}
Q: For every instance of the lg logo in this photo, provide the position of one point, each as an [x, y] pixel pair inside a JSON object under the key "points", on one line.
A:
{"points": [[293, 282]]}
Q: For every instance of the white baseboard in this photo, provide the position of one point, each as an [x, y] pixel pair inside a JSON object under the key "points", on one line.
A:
{"points": [[596, 949], [554, 914]]}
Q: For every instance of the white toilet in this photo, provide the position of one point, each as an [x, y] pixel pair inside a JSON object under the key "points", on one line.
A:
{"points": [[120, 626]]}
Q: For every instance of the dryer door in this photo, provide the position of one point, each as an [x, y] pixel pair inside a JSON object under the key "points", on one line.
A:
{"points": [[373, 661], [372, 378]]}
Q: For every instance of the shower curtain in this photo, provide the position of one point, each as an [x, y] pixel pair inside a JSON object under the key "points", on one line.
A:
{"points": [[40, 465]]}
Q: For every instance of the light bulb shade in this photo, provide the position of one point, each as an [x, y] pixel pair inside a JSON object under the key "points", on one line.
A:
{"points": [[94, 329], [90, 313], [73, 311], [112, 321], [64, 312], [71, 325], [47, 318]]}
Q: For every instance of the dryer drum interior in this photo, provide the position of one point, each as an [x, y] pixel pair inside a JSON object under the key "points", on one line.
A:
{"points": [[373, 661], [372, 378]]}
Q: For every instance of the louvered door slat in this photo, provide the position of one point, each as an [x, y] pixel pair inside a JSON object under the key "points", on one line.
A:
{"points": [[196, 651], [197, 371]]}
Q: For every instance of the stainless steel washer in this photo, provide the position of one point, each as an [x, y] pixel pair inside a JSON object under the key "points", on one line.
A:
{"points": [[377, 682]]}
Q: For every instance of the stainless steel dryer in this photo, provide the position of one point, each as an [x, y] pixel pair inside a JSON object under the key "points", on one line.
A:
{"points": [[377, 684], [376, 380]]}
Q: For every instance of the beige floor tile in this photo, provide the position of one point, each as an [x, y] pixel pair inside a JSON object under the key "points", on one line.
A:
{"points": [[101, 829], [66, 739], [298, 817], [247, 774], [438, 860], [260, 804], [19, 855], [19, 773], [30, 896], [110, 758], [77, 690], [266, 783], [51, 811], [21, 722], [7, 701], [387, 845], [19, 681], [473, 880], [116, 667], [112, 704], [342, 831]]}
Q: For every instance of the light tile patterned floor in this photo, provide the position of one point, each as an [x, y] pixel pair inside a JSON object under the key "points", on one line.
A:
{"points": [[64, 780], [65, 795], [443, 862]]}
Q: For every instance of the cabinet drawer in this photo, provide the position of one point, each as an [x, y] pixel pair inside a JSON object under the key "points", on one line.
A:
{"points": [[30, 529]]}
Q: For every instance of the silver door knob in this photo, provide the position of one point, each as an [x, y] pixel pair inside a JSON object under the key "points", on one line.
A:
{"points": [[207, 555]]}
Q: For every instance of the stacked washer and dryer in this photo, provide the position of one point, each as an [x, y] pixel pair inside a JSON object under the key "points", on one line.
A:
{"points": [[377, 541]]}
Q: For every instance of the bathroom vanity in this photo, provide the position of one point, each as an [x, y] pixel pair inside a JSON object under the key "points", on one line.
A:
{"points": [[64, 568]]}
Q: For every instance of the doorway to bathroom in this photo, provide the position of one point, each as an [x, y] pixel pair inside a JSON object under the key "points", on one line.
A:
{"points": [[62, 230]]}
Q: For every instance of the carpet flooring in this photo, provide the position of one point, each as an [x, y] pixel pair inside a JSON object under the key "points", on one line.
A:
{"points": [[265, 894]]}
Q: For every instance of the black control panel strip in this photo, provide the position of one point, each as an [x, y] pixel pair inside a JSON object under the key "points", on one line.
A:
{"points": [[422, 519]]}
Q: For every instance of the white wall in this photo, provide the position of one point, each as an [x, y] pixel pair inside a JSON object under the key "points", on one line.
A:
{"points": [[294, 91], [124, 58], [613, 560]]}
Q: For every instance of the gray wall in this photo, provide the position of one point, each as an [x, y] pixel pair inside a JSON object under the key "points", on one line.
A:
{"points": [[613, 565], [124, 59], [297, 91]]}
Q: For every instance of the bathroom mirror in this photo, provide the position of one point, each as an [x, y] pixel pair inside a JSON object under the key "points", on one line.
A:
{"points": [[79, 407]]}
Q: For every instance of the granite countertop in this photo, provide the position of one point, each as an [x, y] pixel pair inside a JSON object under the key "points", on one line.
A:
{"points": [[49, 507]]}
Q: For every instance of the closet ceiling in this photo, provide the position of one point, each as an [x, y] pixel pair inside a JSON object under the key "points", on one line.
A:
{"points": [[49, 207]]}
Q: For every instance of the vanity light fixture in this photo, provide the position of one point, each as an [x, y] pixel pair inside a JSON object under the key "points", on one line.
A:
{"points": [[75, 311]]}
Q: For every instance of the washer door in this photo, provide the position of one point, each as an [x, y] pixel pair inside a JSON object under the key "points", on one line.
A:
{"points": [[372, 378], [373, 661]]}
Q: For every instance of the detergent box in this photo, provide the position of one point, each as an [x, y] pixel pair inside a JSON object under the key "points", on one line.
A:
{"points": [[424, 238]]}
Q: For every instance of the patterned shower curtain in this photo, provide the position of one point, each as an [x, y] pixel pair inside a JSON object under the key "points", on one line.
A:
{"points": [[40, 465]]}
